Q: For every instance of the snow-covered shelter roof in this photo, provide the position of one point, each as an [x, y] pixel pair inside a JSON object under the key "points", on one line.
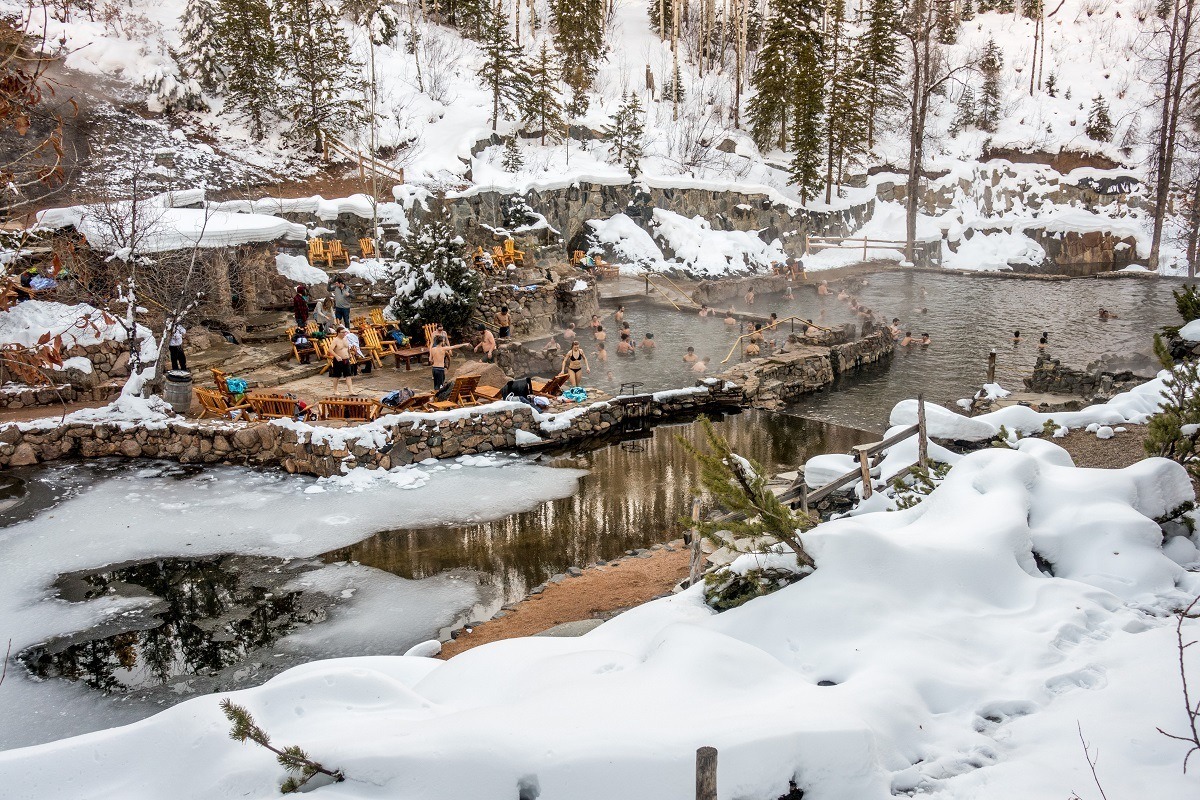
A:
{"points": [[164, 226]]}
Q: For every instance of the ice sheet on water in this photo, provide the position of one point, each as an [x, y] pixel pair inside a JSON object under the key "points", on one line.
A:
{"points": [[140, 513]]}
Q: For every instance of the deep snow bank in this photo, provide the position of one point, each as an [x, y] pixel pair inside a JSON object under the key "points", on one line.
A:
{"points": [[960, 670]]}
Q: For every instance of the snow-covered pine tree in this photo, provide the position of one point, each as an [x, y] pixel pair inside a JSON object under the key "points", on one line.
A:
{"points": [[660, 22], [807, 129], [947, 22], [627, 134], [541, 106], [469, 16], [324, 89], [201, 43], [1099, 124], [989, 104], [512, 160], [579, 39], [503, 70], [434, 282], [1051, 85], [879, 54], [1031, 9], [966, 11], [672, 85], [984, 6], [1005, 6], [252, 89], [845, 127], [966, 115]]}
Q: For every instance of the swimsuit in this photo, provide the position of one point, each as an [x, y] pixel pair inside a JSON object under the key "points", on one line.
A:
{"points": [[575, 364]]}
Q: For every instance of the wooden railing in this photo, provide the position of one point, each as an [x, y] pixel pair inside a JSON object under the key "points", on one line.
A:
{"points": [[814, 243], [738, 341], [664, 279], [365, 162]]}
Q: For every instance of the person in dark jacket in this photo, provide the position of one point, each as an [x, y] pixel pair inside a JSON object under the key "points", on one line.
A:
{"points": [[300, 307]]}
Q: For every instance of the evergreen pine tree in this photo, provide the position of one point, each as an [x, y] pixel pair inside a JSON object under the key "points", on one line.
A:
{"points": [[252, 89], [541, 105], [469, 16], [579, 39], [966, 11], [1051, 85], [984, 6], [1031, 9], [879, 54], [434, 282], [627, 134], [503, 71], [1099, 125], [201, 43], [989, 104], [946, 22], [1005, 6], [668, 16], [788, 107], [323, 87], [845, 128], [966, 114], [512, 160], [669, 87]]}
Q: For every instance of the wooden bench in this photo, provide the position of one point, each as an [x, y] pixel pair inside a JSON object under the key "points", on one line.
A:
{"points": [[462, 394], [214, 403], [360, 409], [276, 406]]}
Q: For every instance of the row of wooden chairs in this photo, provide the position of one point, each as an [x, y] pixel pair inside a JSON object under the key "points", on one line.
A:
{"points": [[508, 255], [600, 267], [328, 251]]}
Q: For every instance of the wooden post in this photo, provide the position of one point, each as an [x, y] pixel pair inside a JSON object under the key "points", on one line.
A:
{"points": [[706, 773], [922, 435], [697, 556], [803, 495], [864, 464], [647, 284], [991, 372], [864, 248]]}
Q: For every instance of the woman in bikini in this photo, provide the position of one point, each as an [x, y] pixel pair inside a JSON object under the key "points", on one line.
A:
{"points": [[574, 362]]}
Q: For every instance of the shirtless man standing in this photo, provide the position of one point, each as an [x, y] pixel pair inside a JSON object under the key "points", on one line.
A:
{"points": [[439, 354], [340, 370]]}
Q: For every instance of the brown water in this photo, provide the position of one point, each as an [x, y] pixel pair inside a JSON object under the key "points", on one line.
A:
{"points": [[635, 494]]}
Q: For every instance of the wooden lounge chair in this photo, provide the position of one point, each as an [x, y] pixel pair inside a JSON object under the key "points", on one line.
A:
{"points": [[366, 248], [213, 403], [551, 388], [499, 256], [360, 409], [417, 401], [377, 346], [489, 393], [275, 406], [337, 252], [514, 255], [462, 394], [318, 252], [221, 379]]}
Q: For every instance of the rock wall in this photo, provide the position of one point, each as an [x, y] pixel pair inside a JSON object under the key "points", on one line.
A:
{"points": [[391, 441], [852, 356], [541, 309], [1095, 383], [13, 396]]}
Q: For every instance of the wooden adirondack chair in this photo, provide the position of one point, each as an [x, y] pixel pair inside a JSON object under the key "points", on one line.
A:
{"points": [[577, 258], [366, 248], [514, 255], [462, 394], [360, 409], [550, 388], [318, 252], [378, 346], [378, 321], [337, 252], [213, 403], [322, 348], [499, 257], [429, 332]]}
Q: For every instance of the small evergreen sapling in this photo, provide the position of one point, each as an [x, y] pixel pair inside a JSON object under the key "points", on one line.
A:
{"points": [[512, 160], [1099, 124], [291, 758], [1174, 432], [434, 282]]}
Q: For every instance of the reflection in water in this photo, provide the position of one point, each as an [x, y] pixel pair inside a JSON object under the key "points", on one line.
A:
{"points": [[628, 500], [207, 615]]}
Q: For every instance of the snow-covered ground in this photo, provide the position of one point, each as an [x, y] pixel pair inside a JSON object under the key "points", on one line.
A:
{"points": [[927, 653], [149, 512]]}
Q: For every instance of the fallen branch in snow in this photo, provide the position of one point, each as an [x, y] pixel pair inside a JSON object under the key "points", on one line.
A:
{"points": [[292, 758], [4, 668], [1087, 753], [1192, 710]]}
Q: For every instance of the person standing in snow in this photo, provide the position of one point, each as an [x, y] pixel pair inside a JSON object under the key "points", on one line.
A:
{"points": [[300, 307], [175, 347], [341, 300]]}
